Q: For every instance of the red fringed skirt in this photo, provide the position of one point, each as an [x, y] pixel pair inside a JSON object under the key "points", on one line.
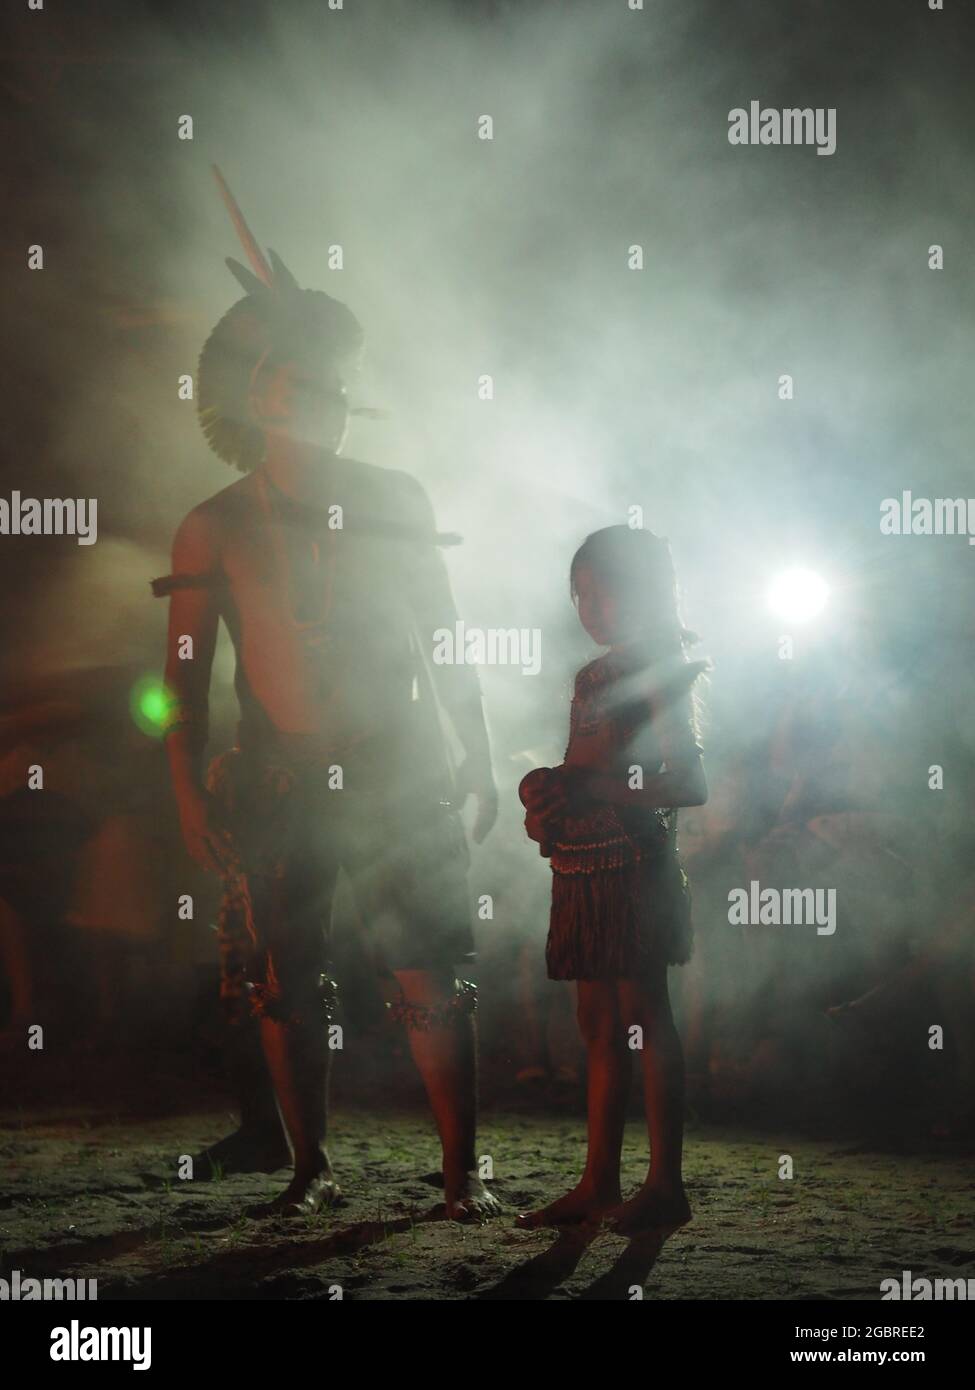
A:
{"points": [[620, 899]]}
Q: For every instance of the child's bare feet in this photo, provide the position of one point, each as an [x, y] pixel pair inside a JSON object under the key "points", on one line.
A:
{"points": [[467, 1199], [652, 1209], [582, 1204], [302, 1197]]}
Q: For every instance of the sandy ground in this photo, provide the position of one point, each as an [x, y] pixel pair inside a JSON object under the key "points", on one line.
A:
{"points": [[85, 1192]]}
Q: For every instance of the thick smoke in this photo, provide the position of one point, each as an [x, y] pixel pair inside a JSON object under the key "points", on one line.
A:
{"points": [[614, 387]]}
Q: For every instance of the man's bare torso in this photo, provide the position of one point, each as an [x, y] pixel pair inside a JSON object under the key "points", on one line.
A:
{"points": [[320, 603]]}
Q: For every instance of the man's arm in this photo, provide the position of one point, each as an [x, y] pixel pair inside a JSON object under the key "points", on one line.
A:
{"points": [[457, 686], [193, 622]]}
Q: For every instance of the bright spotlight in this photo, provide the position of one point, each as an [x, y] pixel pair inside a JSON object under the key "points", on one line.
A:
{"points": [[797, 595]]}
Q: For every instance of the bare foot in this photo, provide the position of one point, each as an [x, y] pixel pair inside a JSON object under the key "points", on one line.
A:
{"points": [[652, 1209], [467, 1199], [242, 1152], [577, 1207], [302, 1197]]}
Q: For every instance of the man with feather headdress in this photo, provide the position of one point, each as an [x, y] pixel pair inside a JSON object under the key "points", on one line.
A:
{"points": [[328, 576]]}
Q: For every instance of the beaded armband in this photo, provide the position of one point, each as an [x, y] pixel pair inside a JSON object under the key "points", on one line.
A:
{"points": [[423, 1017], [267, 1001]]}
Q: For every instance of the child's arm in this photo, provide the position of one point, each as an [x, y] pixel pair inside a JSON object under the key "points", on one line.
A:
{"points": [[679, 785], [682, 781], [535, 791]]}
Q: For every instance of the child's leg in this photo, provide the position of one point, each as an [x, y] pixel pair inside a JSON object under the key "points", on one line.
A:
{"points": [[607, 1087], [662, 1200]]}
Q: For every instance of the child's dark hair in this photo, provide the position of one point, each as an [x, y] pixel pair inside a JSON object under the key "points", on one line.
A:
{"points": [[641, 562]]}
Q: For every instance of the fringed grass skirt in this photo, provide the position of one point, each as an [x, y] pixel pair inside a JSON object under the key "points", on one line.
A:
{"points": [[620, 903]]}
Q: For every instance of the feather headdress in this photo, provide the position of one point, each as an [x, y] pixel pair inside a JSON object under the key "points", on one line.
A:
{"points": [[276, 317]]}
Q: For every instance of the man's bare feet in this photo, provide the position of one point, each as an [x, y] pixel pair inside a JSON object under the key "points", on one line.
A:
{"points": [[302, 1197], [467, 1199], [583, 1204], [652, 1209], [242, 1152]]}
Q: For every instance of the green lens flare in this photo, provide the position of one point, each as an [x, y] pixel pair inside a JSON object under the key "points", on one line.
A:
{"points": [[148, 702]]}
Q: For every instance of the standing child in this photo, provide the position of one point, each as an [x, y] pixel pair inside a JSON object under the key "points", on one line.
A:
{"points": [[620, 907]]}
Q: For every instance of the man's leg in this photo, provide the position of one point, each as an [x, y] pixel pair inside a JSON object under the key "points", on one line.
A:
{"points": [[439, 1018], [408, 868], [298, 1059], [260, 1144], [294, 1003]]}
